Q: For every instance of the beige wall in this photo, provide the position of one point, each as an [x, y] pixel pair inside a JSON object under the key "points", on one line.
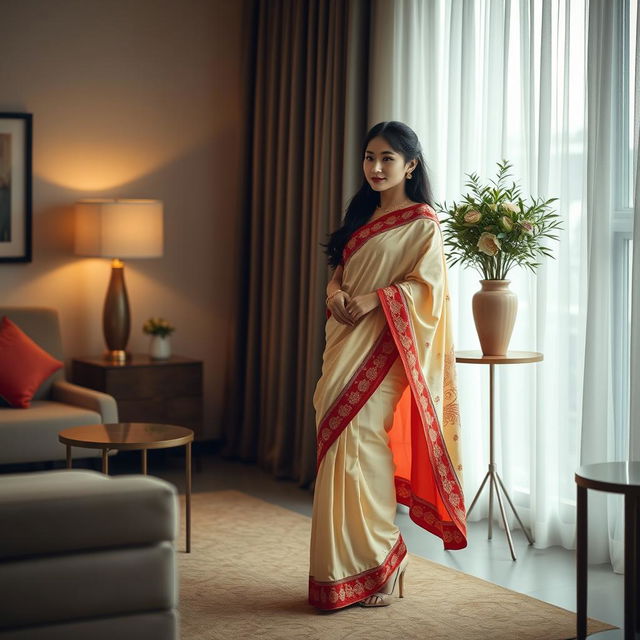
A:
{"points": [[140, 99]]}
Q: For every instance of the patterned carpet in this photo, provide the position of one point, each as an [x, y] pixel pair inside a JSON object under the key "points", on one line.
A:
{"points": [[246, 577]]}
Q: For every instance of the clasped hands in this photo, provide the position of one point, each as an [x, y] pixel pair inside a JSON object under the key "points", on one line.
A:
{"points": [[350, 311]]}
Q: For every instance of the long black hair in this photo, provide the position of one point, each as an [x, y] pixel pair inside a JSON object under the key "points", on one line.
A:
{"points": [[403, 140]]}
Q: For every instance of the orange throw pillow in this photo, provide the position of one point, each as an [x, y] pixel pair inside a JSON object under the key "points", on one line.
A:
{"points": [[24, 366]]}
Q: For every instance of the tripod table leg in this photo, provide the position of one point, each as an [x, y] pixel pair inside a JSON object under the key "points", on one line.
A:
{"points": [[473, 504], [491, 490], [504, 521], [515, 513]]}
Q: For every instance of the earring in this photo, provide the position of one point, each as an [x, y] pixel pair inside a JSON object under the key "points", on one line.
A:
{"points": [[408, 176]]}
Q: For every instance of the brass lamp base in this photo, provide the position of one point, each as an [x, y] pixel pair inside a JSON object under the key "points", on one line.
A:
{"points": [[117, 356], [116, 321]]}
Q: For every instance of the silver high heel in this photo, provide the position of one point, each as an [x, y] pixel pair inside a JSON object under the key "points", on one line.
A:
{"points": [[383, 598]]}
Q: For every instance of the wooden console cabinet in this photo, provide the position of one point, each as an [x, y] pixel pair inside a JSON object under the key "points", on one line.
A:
{"points": [[146, 390]]}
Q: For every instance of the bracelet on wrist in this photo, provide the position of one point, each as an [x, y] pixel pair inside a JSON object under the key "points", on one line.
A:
{"points": [[333, 294]]}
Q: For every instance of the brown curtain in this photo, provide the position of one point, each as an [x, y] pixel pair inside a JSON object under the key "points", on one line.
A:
{"points": [[308, 119]]}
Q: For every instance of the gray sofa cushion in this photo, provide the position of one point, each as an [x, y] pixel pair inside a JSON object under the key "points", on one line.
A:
{"points": [[68, 511], [36, 429], [85, 585], [158, 625]]}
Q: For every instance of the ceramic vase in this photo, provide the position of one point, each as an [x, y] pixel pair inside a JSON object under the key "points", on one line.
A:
{"points": [[160, 348], [494, 312]]}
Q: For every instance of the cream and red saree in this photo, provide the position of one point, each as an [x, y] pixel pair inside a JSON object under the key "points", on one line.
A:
{"points": [[387, 412]]}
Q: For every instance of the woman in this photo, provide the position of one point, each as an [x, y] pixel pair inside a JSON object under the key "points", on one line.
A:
{"points": [[386, 404]]}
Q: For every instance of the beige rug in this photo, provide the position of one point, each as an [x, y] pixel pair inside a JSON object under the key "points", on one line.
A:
{"points": [[246, 577]]}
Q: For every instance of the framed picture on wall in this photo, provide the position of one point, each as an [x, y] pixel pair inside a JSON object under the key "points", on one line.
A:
{"points": [[15, 187]]}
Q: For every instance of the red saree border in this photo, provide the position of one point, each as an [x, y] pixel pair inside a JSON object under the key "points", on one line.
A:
{"points": [[385, 223], [398, 320], [342, 593], [425, 515], [358, 390]]}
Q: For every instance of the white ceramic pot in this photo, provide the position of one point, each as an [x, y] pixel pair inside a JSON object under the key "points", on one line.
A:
{"points": [[160, 348]]}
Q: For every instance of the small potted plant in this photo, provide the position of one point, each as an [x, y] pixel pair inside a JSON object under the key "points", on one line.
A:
{"points": [[492, 230], [160, 330]]}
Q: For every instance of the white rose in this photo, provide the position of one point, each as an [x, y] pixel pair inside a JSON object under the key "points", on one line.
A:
{"points": [[506, 224], [510, 207], [488, 243], [526, 227], [473, 216]]}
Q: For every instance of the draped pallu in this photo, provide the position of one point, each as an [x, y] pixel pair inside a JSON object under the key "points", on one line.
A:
{"points": [[387, 412]]}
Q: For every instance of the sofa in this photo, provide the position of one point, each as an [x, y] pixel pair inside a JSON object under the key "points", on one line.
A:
{"points": [[87, 556], [31, 435]]}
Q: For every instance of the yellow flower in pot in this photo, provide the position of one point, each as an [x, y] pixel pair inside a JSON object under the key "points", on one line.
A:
{"points": [[159, 330]]}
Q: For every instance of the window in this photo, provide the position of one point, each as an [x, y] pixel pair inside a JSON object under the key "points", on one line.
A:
{"points": [[622, 223]]}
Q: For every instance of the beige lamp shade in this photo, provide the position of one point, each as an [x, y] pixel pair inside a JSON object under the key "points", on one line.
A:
{"points": [[119, 228]]}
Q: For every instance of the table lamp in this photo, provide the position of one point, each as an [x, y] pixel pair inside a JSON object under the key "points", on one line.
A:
{"points": [[118, 229]]}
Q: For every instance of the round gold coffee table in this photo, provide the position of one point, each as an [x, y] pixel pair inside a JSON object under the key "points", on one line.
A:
{"points": [[133, 436]]}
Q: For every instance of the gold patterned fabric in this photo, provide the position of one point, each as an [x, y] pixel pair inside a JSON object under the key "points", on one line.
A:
{"points": [[387, 412]]}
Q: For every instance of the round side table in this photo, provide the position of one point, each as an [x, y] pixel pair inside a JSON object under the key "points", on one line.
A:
{"points": [[495, 481], [613, 477], [133, 436]]}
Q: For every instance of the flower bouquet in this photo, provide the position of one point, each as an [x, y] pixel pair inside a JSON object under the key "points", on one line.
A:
{"points": [[492, 230]]}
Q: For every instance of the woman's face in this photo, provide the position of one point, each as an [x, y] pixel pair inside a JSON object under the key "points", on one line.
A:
{"points": [[383, 167]]}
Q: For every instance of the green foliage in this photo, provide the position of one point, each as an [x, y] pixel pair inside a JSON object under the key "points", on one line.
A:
{"points": [[158, 327], [493, 229]]}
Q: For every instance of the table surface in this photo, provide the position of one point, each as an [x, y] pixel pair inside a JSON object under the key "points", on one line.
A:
{"points": [[135, 360], [127, 435], [512, 357], [617, 477]]}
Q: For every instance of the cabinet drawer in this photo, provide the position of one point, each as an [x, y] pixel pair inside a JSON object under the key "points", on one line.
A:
{"points": [[169, 411], [154, 382]]}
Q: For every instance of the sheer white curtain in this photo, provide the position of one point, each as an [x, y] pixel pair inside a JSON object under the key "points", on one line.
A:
{"points": [[598, 433], [634, 430], [634, 421], [479, 81]]}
